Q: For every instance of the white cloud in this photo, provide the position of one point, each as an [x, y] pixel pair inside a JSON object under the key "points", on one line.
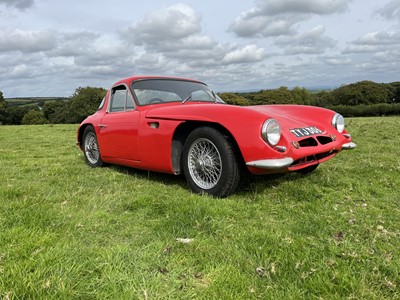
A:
{"points": [[391, 10], [374, 42], [318, 7], [248, 54], [276, 17], [253, 24], [337, 60], [27, 41], [61, 45], [379, 38], [20, 4], [311, 42], [75, 43], [172, 23]]}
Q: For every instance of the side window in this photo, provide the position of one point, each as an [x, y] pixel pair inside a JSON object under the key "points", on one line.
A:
{"points": [[130, 104], [121, 100]]}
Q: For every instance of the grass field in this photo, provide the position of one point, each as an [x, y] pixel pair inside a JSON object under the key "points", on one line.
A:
{"points": [[68, 231]]}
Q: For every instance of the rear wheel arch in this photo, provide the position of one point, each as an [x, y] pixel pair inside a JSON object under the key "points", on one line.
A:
{"points": [[90, 147], [80, 134]]}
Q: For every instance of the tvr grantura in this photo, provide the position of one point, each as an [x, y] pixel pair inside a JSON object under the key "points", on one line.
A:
{"points": [[176, 125]]}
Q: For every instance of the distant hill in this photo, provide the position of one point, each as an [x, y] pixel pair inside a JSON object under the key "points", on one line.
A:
{"points": [[32, 101]]}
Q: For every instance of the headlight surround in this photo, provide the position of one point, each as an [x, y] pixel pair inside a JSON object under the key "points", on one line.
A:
{"points": [[338, 122], [271, 132]]}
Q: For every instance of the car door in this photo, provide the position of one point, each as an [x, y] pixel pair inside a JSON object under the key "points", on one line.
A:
{"points": [[118, 137]]}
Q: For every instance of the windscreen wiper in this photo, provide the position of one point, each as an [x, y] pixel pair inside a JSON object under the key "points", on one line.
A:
{"points": [[186, 99]]}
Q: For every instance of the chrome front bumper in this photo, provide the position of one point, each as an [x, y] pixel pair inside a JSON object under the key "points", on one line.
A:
{"points": [[349, 146], [280, 163], [271, 164]]}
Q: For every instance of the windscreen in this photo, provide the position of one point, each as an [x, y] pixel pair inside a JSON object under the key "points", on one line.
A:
{"points": [[151, 91]]}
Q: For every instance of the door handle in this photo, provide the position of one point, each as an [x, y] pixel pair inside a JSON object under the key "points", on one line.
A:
{"points": [[102, 126]]}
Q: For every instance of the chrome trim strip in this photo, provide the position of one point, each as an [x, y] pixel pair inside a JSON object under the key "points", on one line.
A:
{"points": [[271, 164], [349, 146]]}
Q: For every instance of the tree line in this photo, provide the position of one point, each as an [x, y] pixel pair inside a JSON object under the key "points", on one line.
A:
{"points": [[82, 103], [364, 98]]}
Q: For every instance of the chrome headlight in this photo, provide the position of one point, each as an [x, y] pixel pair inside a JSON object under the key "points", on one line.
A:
{"points": [[271, 132], [338, 122]]}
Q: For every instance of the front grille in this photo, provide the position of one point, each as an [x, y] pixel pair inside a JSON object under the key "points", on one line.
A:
{"points": [[323, 140], [309, 142], [315, 141], [312, 158]]}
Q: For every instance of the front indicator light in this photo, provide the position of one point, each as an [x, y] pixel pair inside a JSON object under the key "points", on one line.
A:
{"points": [[281, 148]]}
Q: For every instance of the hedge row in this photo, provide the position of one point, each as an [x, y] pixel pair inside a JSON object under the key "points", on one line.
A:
{"points": [[382, 109]]}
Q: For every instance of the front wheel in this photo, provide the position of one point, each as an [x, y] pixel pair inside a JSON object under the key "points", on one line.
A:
{"points": [[209, 163], [91, 148]]}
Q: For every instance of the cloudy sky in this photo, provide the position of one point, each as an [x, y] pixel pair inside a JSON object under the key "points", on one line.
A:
{"points": [[49, 48]]}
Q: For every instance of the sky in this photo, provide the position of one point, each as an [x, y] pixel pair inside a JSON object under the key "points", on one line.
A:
{"points": [[50, 48]]}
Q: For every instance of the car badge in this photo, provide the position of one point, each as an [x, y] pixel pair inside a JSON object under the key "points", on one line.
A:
{"points": [[296, 144]]}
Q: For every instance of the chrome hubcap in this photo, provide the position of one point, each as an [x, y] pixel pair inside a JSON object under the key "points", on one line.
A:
{"points": [[92, 148], [204, 162]]}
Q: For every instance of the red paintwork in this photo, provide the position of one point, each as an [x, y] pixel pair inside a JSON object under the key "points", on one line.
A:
{"points": [[130, 140]]}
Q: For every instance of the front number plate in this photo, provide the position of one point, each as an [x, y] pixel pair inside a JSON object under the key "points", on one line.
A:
{"points": [[306, 131]]}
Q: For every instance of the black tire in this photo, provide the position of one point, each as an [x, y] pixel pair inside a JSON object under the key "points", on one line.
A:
{"points": [[308, 170], [90, 148], [209, 163]]}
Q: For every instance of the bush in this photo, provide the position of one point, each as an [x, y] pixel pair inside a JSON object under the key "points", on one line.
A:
{"points": [[382, 109], [83, 103], [3, 108], [55, 112], [234, 99], [34, 117]]}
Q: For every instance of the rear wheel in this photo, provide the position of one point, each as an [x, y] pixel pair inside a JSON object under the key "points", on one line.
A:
{"points": [[91, 148], [209, 163]]}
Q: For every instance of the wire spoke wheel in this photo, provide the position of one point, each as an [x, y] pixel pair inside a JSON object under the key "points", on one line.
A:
{"points": [[91, 148], [204, 162], [209, 163]]}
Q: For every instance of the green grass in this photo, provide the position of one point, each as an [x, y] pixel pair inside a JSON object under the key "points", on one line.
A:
{"points": [[68, 231]]}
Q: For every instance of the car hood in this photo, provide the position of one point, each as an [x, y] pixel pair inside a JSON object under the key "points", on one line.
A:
{"points": [[297, 116], [289, 116]]}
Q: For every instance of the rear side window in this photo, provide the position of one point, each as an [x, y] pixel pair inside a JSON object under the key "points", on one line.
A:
{"points": [[121, 99]]}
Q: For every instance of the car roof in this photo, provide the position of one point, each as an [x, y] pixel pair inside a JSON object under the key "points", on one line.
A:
{"points": [[129, 80]]}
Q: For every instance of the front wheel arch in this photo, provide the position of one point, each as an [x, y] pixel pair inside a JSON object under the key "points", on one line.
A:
{"points": [[183, 131], [210, 163]]}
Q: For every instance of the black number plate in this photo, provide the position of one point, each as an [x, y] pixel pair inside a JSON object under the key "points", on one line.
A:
{"points": [[306, 131]]}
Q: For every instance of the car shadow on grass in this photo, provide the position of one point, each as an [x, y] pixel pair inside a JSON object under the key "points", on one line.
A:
{"points": [[249, 184], [167, 179], [255, 185]]}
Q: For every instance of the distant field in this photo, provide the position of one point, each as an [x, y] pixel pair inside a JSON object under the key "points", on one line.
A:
{"points": [[32, 100], [72, 232]]}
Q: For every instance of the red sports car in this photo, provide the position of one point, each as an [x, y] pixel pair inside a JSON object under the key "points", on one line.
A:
{"points": [[176, 125]]}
